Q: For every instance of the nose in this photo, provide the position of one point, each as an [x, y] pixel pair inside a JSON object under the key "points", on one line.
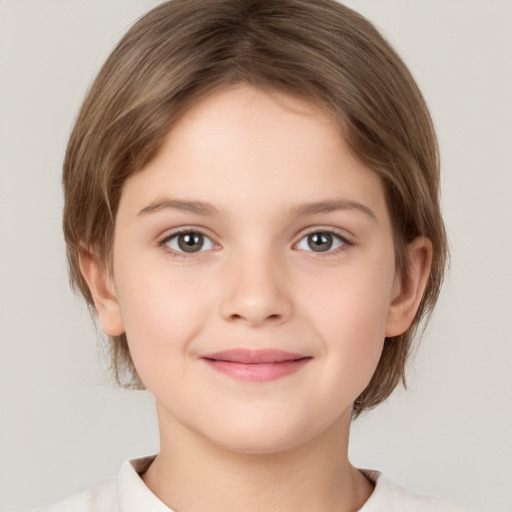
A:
{"points": [[258, 293]]}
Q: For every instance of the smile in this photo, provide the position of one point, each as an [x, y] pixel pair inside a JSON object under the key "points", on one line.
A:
{"points": [[256, 365]]}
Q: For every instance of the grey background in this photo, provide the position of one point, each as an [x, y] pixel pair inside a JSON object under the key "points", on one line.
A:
{"points": [[62, 427]]}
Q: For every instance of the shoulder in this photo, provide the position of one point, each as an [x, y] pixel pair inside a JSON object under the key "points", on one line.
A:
{"points": [[124, 493], [395, 498], [99, 498]]}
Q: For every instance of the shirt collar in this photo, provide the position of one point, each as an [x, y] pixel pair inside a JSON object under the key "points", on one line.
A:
{"points": [[134, 495]]}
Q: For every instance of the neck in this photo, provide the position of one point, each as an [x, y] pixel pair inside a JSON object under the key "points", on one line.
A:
{"points": [[191, 473]]}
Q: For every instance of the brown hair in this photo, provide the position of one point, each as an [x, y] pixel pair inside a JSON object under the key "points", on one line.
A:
{"points": [[319, 50]]}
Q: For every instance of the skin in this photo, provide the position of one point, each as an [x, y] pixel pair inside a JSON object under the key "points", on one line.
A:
{"points": [[259, 161]]}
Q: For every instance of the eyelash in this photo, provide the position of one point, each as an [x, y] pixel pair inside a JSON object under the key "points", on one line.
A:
{"points": [[346, 244], [177, 254]]}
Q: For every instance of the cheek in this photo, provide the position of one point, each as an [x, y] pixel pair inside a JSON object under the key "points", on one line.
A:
{"points": [[350, 315], [162, 313], [358, 301]]}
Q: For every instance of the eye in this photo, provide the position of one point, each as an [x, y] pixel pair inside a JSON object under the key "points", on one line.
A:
{"points": [[321, 241], [188, 242]]}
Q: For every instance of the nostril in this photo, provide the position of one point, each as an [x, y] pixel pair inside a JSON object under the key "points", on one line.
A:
{"points": [[253, 318], [255, 306]]}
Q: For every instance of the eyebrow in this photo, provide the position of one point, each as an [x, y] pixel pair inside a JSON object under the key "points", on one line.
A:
{"points": [[205, 209], [197, 207], [334, 205]]}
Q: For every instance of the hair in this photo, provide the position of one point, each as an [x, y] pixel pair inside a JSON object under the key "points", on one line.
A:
{"points": [[318, 50]]}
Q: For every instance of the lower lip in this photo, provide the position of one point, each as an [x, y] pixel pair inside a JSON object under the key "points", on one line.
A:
{"points": [[258, 372]]}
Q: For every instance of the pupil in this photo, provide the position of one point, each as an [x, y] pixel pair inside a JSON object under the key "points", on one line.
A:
{"points": [[320, 242], [190, 242]]}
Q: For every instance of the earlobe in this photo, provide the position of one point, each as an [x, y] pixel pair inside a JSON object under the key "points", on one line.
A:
{"points": [[103, 292], [409, 291]]}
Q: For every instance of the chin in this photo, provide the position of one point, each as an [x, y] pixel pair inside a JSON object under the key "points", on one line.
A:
{"points": [[263, 436], [261, 444]]}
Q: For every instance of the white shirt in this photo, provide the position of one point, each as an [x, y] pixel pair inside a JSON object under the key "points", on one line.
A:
{"points": [[128, 493]]}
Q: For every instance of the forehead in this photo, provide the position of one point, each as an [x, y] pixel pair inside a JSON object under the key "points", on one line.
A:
{"points": [[264, 115], [245, 147]]}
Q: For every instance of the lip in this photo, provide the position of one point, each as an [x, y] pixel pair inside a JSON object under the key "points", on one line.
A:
{"points": [[256, 365]]}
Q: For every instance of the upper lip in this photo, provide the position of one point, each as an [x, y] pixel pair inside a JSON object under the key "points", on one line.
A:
{"points": [[253, 356]]}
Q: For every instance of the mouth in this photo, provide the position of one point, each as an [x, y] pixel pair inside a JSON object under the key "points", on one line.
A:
{"points": [[256, 365]]}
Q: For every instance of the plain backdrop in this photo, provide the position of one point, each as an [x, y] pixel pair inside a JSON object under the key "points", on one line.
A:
{"points": [[63, 427]]}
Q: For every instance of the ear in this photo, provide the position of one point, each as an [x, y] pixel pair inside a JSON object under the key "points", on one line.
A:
{"points": [[408, 292], [103, 292]]}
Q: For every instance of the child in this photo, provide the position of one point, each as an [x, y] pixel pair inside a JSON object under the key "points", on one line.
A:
{"points": [[251, 208]]}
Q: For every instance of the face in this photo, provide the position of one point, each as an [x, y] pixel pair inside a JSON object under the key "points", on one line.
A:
{"points": [[254, 272]]}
